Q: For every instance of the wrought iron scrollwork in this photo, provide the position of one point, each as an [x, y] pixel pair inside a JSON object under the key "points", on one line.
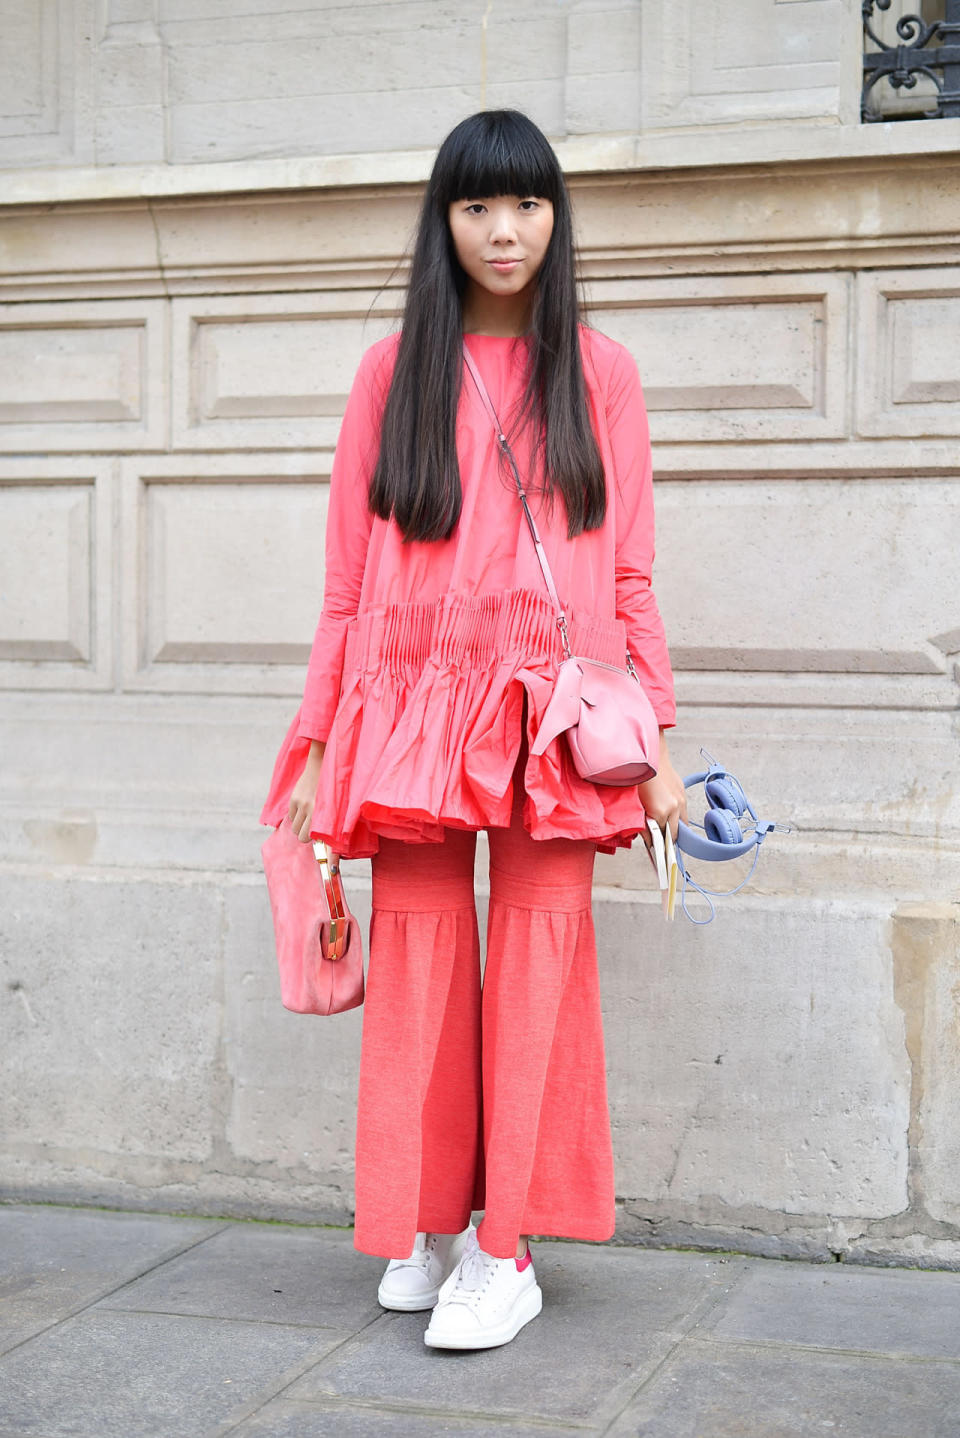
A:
{"points": [[929, 48]]}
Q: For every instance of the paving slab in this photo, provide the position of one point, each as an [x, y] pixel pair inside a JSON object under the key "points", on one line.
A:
{"points": [[609, 1316], [830, 1306], [283, 1419], [710, 1391], [279, 1273], [55, 1260], [149, 1326], [138, 1375]]}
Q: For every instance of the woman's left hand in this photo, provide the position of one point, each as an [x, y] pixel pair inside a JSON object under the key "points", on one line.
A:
{"points": [[664, 797]]}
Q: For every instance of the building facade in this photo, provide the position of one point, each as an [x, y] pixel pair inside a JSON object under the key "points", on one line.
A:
{"points": [[203, 219]]}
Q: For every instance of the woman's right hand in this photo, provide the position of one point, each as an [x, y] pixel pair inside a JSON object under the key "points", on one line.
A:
{"points": [[303, 796]]}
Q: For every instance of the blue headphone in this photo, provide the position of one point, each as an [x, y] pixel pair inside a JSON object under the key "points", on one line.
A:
{"points": [[723, 834]]}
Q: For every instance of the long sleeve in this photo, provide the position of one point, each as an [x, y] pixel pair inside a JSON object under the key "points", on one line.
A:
{"points": [[629, 433], [349, 521]]}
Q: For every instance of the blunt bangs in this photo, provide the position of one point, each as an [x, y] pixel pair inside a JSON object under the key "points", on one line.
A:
{"points": [[496, 152]]}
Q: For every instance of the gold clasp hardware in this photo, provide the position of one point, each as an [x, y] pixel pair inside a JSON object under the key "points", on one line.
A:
{"points": [[333, 889]]}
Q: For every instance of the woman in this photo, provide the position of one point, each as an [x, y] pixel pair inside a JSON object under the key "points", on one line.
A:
{"points": [[434, 659]]}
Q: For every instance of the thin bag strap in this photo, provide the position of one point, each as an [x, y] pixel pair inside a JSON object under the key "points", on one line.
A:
{"points": [[538, 546]]}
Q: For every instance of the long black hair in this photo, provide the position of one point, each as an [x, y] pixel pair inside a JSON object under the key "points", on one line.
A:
{"points": [[417, 477]]}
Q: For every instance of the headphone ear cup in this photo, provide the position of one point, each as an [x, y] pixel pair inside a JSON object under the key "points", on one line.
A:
{"points": [[721, 794], [722, 827]]}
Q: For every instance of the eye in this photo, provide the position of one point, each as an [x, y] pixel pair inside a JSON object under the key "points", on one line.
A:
{"points": [[528, 206], [475, 208]]}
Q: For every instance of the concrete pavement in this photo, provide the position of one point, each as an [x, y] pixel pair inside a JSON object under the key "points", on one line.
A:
{"points": [[117, 1325]]}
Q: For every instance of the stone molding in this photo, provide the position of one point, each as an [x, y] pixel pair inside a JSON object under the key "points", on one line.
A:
{"points": [[717, 146], [845, 214]]}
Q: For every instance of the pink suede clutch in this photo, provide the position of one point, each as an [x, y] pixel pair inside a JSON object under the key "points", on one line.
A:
{"points": [[319, 943]]}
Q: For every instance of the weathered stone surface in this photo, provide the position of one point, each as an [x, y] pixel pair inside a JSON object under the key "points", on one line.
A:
{"points": [[110, 1018], [635, 1343], [122, 1375], [831, 1306], [333, 1419], [609, 1317], [925, 944], [749, 1393], [55, 1260], [311, 1277], [278, 78], [758, 1062]]}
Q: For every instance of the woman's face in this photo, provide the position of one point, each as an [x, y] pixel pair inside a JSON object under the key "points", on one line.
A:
{"points": [[500, 241]]}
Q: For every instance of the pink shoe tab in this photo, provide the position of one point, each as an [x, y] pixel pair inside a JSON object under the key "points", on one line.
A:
{"points": [[525, 1261]]}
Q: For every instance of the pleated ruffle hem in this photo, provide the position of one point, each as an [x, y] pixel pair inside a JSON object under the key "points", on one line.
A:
{"points": [[427, 728]]}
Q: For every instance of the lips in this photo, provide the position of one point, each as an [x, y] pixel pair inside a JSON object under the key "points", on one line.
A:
{"points": [[503, 266]]}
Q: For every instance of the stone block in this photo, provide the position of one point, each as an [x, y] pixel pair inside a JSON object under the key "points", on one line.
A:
{"points": [[756, 1065], [752, 1393], [925, 944], [326, 124], [734, 358], [763, 59], [894, 535], [831, 1306], [110, 1021], [130, 135], [602, 40], [130, 72], [203, 541], [200, 527], [49, 531], [77, 376], [265, 370], [312, 1278], [602, 103], [43, 83], [123, 1375], [384, 53], [53, 1260], [909, 380], [177, 793]]}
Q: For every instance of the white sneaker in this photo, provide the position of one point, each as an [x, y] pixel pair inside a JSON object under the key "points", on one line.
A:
{"points": [[413, 1283], [484, 1302]]}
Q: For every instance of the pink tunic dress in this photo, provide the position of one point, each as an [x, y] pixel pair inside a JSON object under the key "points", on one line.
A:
{"points": [[423, 651]]}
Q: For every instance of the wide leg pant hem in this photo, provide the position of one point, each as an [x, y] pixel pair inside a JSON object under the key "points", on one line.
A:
{"points": [[489, 1098], [380, 1244]]}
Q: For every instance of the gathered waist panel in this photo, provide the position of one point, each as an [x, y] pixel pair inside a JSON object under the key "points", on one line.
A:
{"points": [[473, 630]]}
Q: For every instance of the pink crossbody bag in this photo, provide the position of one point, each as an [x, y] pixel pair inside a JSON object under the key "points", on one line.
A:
{"points": [[603, 711]]}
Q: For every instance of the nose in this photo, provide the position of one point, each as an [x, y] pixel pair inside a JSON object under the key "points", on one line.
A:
{"points": [[502, 227]]}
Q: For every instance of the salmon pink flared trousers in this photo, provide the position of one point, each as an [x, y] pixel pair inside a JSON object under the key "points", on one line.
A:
{"points": [[489, 1098]]}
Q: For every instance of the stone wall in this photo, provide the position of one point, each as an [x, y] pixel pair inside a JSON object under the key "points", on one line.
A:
{"points": [[124, 82], [177, 341]]}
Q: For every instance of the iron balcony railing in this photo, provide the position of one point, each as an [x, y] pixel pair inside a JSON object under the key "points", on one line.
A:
{"points": [[921, 64]]}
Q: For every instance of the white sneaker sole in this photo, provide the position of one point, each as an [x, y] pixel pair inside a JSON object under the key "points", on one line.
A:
{"points": [[527, 1306], [408, 1302]]}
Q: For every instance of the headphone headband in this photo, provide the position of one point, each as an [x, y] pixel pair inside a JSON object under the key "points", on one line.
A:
{"points": [[727, 805]]}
